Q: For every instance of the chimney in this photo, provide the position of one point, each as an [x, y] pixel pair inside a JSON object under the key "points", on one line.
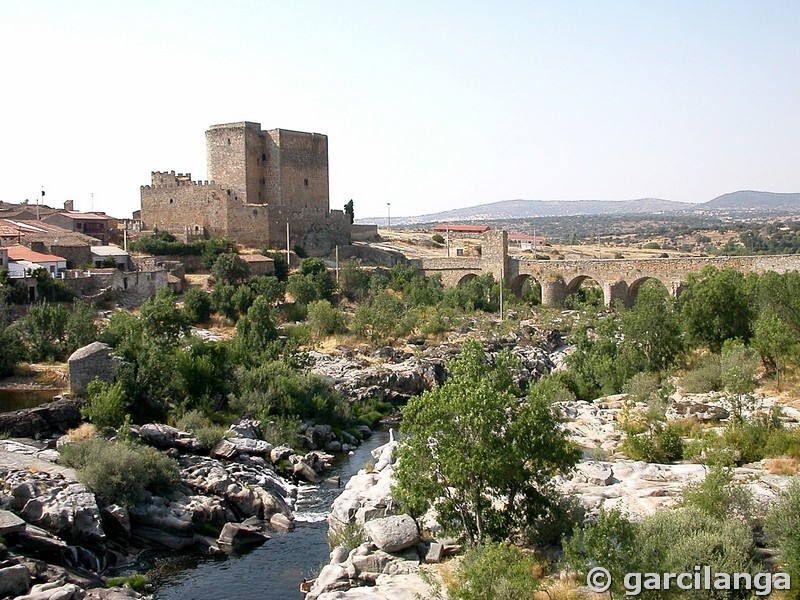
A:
{"points": [[69, 205]]}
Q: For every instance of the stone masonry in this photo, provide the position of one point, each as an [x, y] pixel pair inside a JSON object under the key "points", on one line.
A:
{"points": [[259, 182], [619, 278], [86, 363]]}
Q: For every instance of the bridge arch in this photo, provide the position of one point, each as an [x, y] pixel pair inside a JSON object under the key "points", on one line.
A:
{"points": [[466, 278], [527, 286], [635, 286], [585, 286]]}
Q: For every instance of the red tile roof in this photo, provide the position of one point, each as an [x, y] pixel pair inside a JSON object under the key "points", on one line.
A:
{"points": [[22, 253], [461, 228]]}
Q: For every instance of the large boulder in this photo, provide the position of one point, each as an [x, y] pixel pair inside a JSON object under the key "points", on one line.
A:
{"points": [[14, 581], [164, 436], [46, 419], [392, 534], [238, 535]]}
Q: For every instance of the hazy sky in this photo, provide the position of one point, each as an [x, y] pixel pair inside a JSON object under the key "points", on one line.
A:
{"points": [[428, 105]]}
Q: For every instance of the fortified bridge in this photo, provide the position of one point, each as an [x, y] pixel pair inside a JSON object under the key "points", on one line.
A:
{"points": [[619, 278]]}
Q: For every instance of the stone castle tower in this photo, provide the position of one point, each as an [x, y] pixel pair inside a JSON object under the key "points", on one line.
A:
{"points": [[258, 181]]}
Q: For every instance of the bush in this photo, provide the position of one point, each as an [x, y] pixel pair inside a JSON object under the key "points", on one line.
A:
{"points": [[494, 571], [660, 444], [197, 305], [208, 437], [324, 319], [354, 282], [705, 377], [107, 405], [350, 536], [282, 431], [120, 473], [437, 237], [717, 496], [135, 582], [192, 420], [230, 268], [383, 320], [782, 525]]}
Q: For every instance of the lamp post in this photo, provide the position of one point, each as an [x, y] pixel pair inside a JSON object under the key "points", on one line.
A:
{"points": [[388, 214]]}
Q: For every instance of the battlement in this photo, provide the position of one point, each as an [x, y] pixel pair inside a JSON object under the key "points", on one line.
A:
{"points": [[238, 125]]}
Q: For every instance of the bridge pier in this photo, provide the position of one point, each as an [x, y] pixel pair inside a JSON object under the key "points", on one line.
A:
{"points": [[615, 290], [553, 292]]}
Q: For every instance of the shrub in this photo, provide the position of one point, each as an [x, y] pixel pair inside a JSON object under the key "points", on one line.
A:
{"points": [[717, 496], [197, 305], [324, 319], [208, 437], [437, 237], [107, 405], [660, 444], [705, 377], [782, 525], [282, 431], [350, 536], [230, 268], [494, 571], [120, 473], [192, 420], [354, 282], [135, 582]]}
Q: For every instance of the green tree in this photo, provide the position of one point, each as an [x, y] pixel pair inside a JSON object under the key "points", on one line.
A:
{"points": [[717, 305], [315, 269], [269, 287], [230, 268], [43, 331], [213, 248], [162, 319], [222, 300], [652, 328], [197, 305], [477, 453], [257, 328], [325, 319], [774, 341], [349, 211], [302, 288], [107, 404], [354, 282], [383, 319], [281, 265]]}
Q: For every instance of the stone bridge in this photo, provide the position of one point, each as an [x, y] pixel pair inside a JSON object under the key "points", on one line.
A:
{"points": [[620, 279]]}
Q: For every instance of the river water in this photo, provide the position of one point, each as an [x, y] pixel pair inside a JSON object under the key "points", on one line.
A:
{"points": [[272, 571]]}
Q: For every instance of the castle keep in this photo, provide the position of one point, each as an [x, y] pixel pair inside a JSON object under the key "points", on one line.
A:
{"points": [[259, 182]]}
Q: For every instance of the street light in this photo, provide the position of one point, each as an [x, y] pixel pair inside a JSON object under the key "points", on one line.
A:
{"points": [[388, 214]]}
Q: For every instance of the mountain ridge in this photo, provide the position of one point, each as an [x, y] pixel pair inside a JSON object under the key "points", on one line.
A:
{"points": [[519, 208]]}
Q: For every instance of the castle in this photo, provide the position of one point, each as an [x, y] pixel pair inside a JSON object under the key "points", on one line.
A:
{"points": [[258, 182]]}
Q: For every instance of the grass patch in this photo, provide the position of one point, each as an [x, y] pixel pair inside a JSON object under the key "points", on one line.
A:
{"points": [[350, 536], [137, 582]]}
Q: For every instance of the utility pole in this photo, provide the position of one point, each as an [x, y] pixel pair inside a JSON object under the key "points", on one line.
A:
{"points": [[288, 256], [448, 242], [388, 215], [502, 280], [38, 218], [337, 263]]}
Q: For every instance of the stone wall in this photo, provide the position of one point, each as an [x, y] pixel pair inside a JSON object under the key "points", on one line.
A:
{"points": [[87, 363]]}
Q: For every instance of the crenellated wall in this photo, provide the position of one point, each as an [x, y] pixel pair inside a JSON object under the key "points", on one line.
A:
{"points": [[260, 180]]}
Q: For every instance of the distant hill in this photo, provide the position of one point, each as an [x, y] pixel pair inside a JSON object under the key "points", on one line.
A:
{"points": [[750, 200], [520, 209]]}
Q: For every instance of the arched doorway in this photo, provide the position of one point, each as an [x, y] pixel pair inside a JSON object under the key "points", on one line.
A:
{"points": [[583, 291]]}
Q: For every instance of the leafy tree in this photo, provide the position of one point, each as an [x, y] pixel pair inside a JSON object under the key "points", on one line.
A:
{"points": [[222, 300], [281, 265], [12, 353], [213, 248], [315, 269], [475, 449], [256, 328], [609, 542], [348, 210], [325, 319], [738, 371], [383, 319], [652, 328], [197, 305], [717, 306], [302, 288], [43, 331], [354, 282], [774, 341], [230, 268], [162, 319], [269, 287], [81, 329], [107, 404]]}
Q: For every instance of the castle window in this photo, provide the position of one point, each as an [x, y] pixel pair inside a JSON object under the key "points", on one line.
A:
{"points": [[264, 157], [171, 201], [305, 182], [229, 141], [255, 212]]}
